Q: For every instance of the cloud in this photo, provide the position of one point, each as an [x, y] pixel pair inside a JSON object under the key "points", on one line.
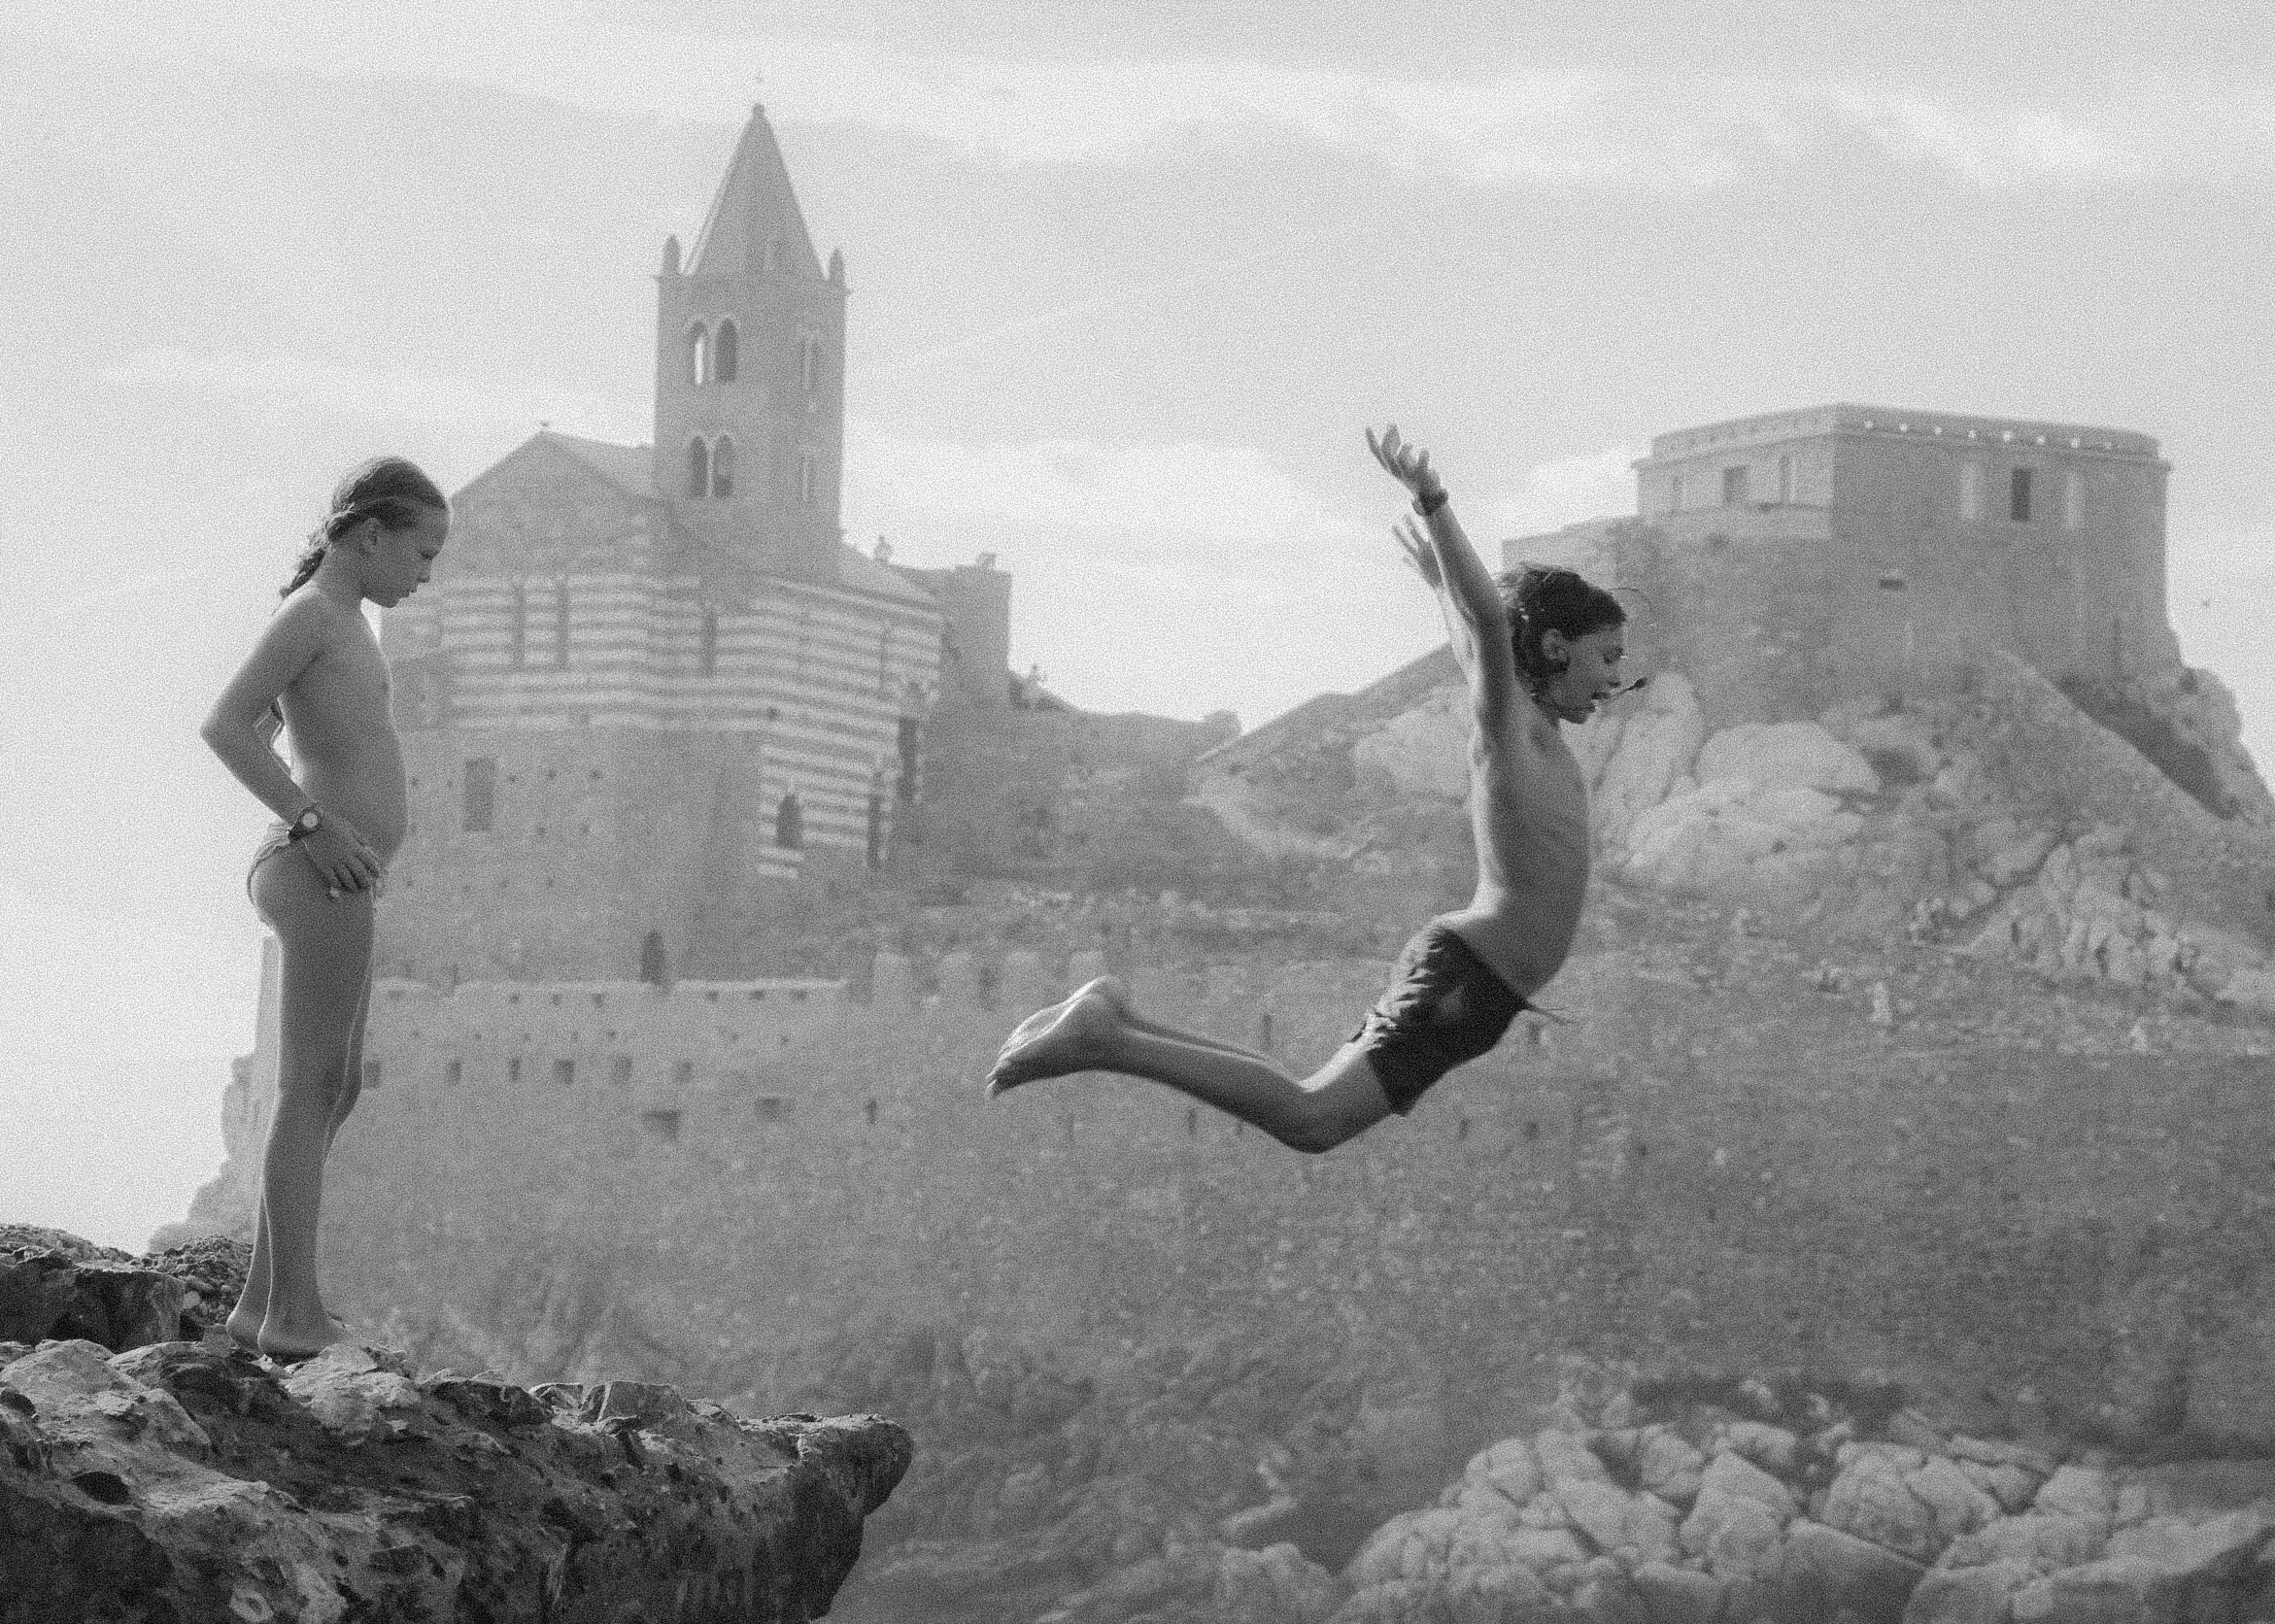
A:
{"points": [[1565, 492], [1526, 123], [1172, 495], [288, 384]]}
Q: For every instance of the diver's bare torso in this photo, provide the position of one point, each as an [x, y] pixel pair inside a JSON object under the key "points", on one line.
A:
{"points": [[1528, 810], [344, 741]]}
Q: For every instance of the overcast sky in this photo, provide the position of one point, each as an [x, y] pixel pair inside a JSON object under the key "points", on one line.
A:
{"points": [[1127, 282]]}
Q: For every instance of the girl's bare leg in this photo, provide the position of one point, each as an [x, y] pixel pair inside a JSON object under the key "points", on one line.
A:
{"points": [[324, 985], [244, 1322], [1089, 1034]]}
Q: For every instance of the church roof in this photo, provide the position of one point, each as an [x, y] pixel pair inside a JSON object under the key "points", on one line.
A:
{"points": [[632, 469], [863, 574], [755, 202]]}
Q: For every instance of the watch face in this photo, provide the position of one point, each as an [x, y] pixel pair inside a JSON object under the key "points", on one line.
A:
{"points": [[309, 821]]}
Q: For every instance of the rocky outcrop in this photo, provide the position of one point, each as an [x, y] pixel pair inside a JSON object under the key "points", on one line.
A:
{"points": [[188, 1479], [1755, 1511]]}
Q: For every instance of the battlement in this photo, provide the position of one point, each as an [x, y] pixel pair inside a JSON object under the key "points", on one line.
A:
{"points": [[1956, 428]]}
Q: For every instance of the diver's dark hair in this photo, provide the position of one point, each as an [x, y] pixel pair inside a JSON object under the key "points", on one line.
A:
{"points": [[392, 489], [1542, 598]]}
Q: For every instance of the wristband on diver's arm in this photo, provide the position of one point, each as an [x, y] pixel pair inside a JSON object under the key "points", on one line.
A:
{"points": [[1430, 501]]}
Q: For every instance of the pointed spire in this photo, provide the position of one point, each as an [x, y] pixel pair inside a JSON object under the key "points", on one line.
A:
{"points": [[671, 256], [755, 224]]}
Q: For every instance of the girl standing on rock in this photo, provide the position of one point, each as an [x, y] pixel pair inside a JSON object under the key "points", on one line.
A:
{"points": [[1538, 648], [317, 673]]}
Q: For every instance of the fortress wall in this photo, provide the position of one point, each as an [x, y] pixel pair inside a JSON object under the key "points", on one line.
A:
{"points": [[574, 817], [1660, 1179]]}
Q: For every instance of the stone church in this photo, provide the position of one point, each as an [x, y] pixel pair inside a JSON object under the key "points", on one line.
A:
{"points": [[649, 683]]}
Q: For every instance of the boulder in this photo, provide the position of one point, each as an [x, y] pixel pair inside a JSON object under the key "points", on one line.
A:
{"points": [[1774, 756], [46, 1294], [1827, 1574]]}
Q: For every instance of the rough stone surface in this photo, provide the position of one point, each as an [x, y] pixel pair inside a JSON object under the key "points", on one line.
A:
{"points": [[191, 1481], [186, 1481]]}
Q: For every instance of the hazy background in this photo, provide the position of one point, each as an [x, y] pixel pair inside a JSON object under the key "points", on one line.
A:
{"points": [[1127, 282]]}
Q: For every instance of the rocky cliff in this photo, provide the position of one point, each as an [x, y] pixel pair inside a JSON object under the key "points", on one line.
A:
{"points": [[149, 1470]]}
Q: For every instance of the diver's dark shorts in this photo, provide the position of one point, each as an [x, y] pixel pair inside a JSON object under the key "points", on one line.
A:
{"points": [[1444, 1006]]}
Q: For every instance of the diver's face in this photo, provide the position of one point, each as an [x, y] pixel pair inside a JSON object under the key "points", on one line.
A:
{"points": [[1590, 673]]}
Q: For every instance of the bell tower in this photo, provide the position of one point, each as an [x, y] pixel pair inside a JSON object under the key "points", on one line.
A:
{"points": [[750, 369]]}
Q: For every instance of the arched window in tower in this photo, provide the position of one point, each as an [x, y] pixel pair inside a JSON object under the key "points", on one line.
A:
{"points": [[790, 823], [699, 468], [725, 354], [707, 653], [809, 362], [809, 478], [653, 968], [723, 467], [698, 354]]}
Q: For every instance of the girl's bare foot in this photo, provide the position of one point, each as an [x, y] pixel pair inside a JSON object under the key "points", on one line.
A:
{"points": [[1066, 1038], [289, 1341]]}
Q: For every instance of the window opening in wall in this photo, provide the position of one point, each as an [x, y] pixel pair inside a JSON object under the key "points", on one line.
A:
{"points": [[683, 1073], [770, 1107], [699, 467], [905, 787], [722, 467], [707, 650], [1891, 581], [1784, 479], [725, 354], [1191, 1122], [620, 1070], [653, 968], [517, 633], [480, 795], [561, 623], [876, 828], [699, 352], [2073, 500], [809, 362], [1970, 490], [660, 1127], [453, 1073], [1734, 481], [790, 823], [2019, 495], [808, 478], [869, 1110], [513, 1069]]}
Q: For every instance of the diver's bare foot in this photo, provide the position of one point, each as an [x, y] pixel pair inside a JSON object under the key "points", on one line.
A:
{"points": [[1066, 1038], [1107, 986]]}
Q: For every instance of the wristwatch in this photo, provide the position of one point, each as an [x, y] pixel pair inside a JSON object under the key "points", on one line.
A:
{"points": [[306, 824], [1430, 501]]}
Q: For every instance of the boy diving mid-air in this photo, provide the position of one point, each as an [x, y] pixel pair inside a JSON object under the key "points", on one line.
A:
{"points": [[1538, 647]]}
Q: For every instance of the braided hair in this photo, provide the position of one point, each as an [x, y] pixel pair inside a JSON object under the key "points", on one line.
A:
{"points": [[1542, 598], [392, 489]]}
